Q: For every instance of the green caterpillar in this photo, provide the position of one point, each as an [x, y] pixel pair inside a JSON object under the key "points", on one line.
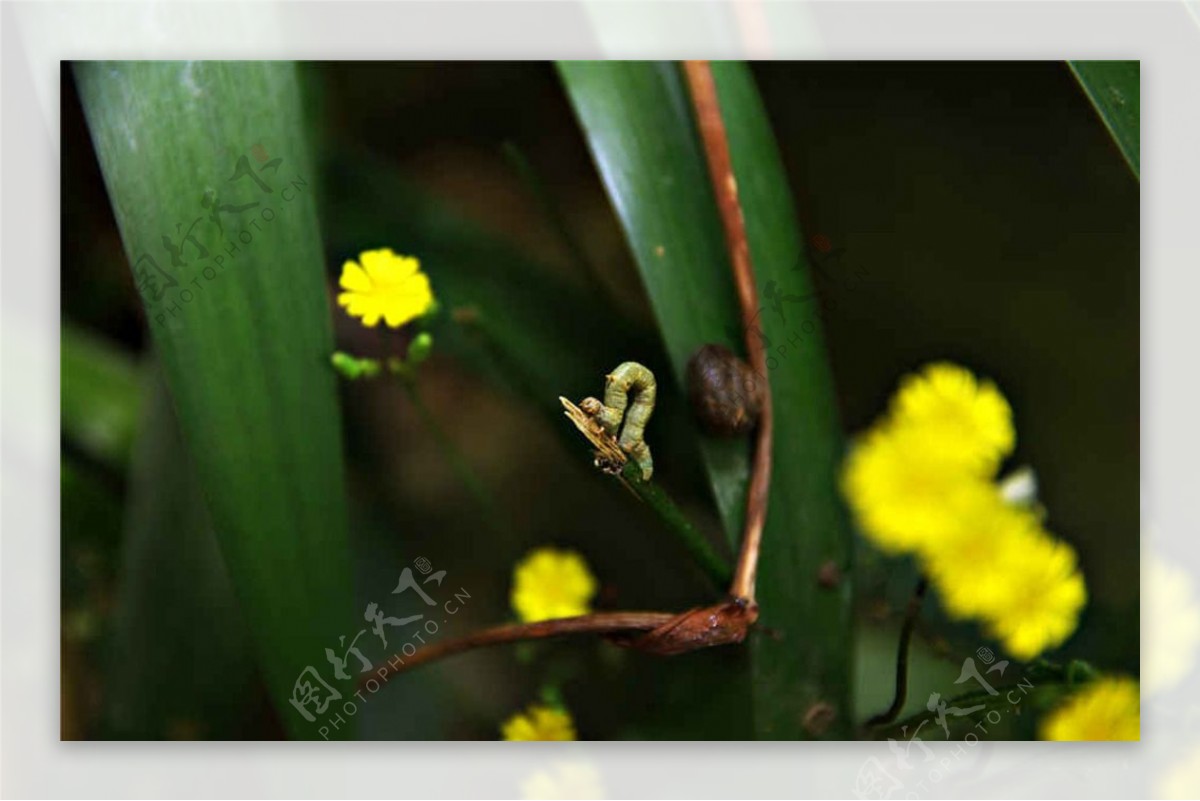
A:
{"points": [[628, 378]]}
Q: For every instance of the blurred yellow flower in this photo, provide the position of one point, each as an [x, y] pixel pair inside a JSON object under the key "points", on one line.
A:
{"points": [[1106, 709], [1046, 594], [971, 567], [386, 286], [550, 583], [922, 482], [539, 722], [902, 491], [962, 418]]}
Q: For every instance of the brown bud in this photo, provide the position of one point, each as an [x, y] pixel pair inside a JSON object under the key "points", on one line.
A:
{"points": [[725, 394]]}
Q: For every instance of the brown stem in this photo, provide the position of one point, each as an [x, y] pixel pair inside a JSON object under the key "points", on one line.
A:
{"points": [[599, 623], [663, 633], [720, 168]]}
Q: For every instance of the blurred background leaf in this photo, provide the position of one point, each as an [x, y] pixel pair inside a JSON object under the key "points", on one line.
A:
{"points": [[101, 397], [244, 335], [180, 661], [1115, 89]]}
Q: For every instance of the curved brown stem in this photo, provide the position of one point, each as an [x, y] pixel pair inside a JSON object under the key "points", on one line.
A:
{"points": [[599, 623], [720, 168], [662, 633]]}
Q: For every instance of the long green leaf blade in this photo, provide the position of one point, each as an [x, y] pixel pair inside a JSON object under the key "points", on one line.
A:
{"points": [[179, 663], [1115, 89], [802, 676], [215, 151], [642, 136], [635, 118]]}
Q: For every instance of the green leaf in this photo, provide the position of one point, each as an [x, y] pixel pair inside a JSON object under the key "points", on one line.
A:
{"points": [[637, 121], [242, 330], [1115, 89], [101, 396], [639, 125], [808, 662], [180, 663]]}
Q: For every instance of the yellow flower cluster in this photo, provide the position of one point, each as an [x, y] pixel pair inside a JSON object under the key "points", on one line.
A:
{"points": [[539, 722], [550, 584], [1106, 709], [385, 285], [922, 481]]}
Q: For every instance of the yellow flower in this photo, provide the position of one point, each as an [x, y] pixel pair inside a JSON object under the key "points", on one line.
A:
{"points": [[1046, 593], [921, 482], [549, 584], [386, 286], [539, 723], [962, 418], [903, 491], [1107, 709], [973, 566]]}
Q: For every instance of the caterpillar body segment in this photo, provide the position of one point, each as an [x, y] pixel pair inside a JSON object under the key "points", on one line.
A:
{"points": [[629, 379]]}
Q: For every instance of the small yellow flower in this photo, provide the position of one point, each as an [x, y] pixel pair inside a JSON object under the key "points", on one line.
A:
{"points": [[539, 722], [386, 286], [1107, 709], [963, 418], [972, 566], [1003, 568], [903, 491], [1046, 593], [549, 584]]}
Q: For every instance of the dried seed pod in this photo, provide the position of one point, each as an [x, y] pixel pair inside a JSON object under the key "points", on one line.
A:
{"points": [[725, 393]]}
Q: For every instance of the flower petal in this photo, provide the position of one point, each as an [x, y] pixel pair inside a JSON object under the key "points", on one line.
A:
{"points": [[354, 278]]}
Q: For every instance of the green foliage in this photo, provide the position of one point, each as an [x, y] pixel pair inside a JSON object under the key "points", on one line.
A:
{"points": [[101, 396], [1115, 89], [637, 122], [808, 662], [637, 119], [243, 335], [179, 663]]}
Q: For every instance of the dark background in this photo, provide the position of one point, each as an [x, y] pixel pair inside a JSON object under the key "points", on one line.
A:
{"points": [[983, 212]]}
